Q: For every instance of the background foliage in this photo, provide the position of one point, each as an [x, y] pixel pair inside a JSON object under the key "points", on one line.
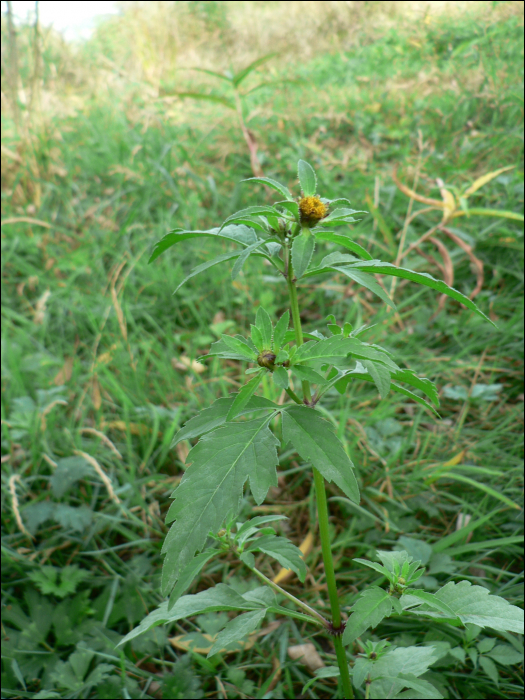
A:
{"points": [[99, 359]]}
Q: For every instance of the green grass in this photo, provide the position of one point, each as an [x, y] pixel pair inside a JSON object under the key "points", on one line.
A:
{"points": [[114, 178]]}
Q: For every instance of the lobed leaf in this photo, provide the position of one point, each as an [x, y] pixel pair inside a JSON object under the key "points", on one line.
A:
{"points": [[285, 552], [236, 629], [474, 604], [212, 487], [314, 439], [372, 606], [189, 573]]}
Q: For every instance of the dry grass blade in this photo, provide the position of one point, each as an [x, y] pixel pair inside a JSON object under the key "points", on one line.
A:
{"points": [[478, 264], [102, 474], [14, 504]]}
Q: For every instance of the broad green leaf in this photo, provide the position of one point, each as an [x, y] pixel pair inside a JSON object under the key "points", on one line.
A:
{"points": [[377, 567], [490, 668], [237, 346], [212, 487], [361, 669], [291, 207], [280, 331], [376, 266], [367, 281], [506, 655], [189, 573], [245, 72], [264, 324], [243, 257], [431, 600], [308, 374], [251, 526], [250, 211], [474, 604], [239, 234], [381, 376], [343, 241], [342, 383], [314, 439], [390, 687], [280, 378], [242, 398], [302, 250], [341, 214], [287, 554], [421, 383], [273, 184], [371, 607], [256, 337], [221, 597], [207, 98], [238, 628], [338, 346], [206, 266], [307, 178], [215, 416]]}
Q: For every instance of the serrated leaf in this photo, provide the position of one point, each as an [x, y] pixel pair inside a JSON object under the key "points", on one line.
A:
{"points": [[367, 281], [237, 628], [390, 687], [280, 331], [339, 347], [68, 471], [256, 337], [243, 257], [422, 383], [262, 209], [506, 655], [376, 266], [302, 250], [308, 374], [273, 184], [377, 567], [242, 398], [307, 178], [189, 573], [221, 597], [280, 377], [240, 234], [290, 207], [251, 526], [212, 487], [344, 241], [381, 376], [373, 605], [474, 604], [314, 439], [215, 416], [237, 346], [431, 600], [287, 554], [70, 517], [490, 668], [206, 266], [264, 324]]}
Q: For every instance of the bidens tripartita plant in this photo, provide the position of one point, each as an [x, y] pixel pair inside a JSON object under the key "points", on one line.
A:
{"points": [[238, 449]]}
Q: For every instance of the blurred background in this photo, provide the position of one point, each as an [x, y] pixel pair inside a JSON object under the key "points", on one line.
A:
{"points": [[121, 121]]}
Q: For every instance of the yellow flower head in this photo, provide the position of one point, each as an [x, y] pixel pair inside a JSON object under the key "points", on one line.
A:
{"points": [[312, 210]]}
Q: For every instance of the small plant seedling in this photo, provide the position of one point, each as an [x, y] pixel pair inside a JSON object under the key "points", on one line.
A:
{"points": [[238, 447]]}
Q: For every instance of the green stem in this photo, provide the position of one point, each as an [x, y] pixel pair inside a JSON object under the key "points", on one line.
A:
{"points": [[294, 396], [317, 618], [322, 509]]}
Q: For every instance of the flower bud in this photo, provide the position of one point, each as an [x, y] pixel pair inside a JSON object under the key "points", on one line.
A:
{"points": [[266, 359]]}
